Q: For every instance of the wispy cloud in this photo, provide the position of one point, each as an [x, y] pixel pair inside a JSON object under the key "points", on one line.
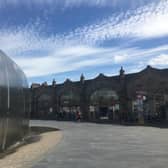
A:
{"points": [[144, 22], [71, 3], [69, 59], [161, 60], [80, 48]]}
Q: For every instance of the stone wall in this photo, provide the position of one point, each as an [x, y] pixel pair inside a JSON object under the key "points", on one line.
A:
{"points": [[140, 95]]}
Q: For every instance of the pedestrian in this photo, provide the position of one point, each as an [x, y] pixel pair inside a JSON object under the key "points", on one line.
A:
{"points": [[78, 116]]}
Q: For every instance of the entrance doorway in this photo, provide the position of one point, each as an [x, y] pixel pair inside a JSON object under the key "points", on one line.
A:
{"points": [[104, 105], [104, 113], [69, 106]]}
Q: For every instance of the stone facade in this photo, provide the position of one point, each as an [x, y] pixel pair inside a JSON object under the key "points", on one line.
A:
{"points": [[136, 97]]}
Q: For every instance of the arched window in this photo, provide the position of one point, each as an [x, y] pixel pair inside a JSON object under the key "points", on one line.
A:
{"points": [[69, 99], [104, 104], [104, 96]]}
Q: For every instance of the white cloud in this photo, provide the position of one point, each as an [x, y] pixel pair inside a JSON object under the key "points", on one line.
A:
{"points": [[120, 58], [145, 22], [61, 60], [62, 55], [159, 60], [78, 48]]}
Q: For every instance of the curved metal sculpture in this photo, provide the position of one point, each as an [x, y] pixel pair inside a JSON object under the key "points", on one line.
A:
{"points": [[14, 103]]}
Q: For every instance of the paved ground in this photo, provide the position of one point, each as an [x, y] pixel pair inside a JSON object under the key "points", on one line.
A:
{"points": [[38, 146], [87, 145]]}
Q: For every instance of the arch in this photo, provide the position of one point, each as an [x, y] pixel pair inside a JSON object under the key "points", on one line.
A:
{"points": [[69, 105], [69, 98], [105, 95], [44, 105], [104, 104]]}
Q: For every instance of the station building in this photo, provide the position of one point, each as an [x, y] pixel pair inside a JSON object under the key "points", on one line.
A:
{"points": [[136, 97]]}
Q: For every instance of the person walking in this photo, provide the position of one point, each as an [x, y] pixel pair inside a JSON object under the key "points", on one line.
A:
{"points": [[78, 116]]}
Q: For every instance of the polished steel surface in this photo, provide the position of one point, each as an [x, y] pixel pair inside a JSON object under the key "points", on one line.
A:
{"points": [[14, 102]]}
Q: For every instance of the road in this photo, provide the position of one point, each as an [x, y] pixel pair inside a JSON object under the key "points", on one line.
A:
{"points": [[89, 145]]}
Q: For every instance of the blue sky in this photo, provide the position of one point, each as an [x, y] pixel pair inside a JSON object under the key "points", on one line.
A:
{"points": [[63, 38]]}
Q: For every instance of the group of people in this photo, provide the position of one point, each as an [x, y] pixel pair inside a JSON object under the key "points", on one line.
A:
{"points": [[69, 116]]}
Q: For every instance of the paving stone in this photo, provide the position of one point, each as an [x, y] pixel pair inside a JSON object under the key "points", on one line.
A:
{"points": [[88, 145]]}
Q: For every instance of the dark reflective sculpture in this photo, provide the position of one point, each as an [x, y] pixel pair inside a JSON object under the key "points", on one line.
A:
{"points": [[14, 103]]}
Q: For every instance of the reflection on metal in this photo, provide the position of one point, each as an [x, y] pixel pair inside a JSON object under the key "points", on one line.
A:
{"points": [[8, 105], [14, 103]]}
